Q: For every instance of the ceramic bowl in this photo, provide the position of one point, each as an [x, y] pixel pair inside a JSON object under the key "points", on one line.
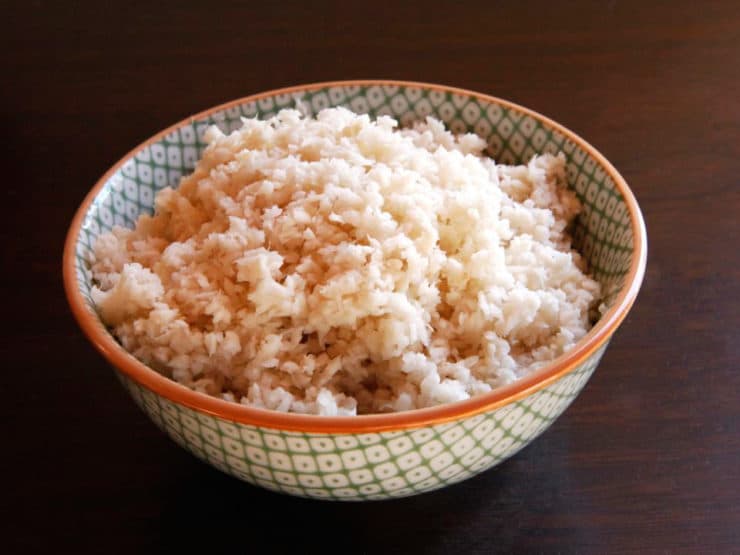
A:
{"points": [[374, 456]]}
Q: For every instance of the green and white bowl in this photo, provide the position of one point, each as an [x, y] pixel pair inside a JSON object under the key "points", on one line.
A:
{"points": [[374, 456]]}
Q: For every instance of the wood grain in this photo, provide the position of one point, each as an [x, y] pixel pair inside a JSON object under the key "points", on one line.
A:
{"points": [[646, 460]]}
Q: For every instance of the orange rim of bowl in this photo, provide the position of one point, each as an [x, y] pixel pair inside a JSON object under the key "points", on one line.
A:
{"points": [[234, 412]]}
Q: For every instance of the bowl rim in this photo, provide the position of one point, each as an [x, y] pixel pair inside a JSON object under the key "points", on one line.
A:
{"points": [[137, 371]]}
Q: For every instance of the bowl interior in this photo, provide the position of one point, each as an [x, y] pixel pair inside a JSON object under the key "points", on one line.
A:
{"points": [[602, 233]]}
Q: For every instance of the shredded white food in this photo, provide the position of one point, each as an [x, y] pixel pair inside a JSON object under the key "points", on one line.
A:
{"points": [[341, 266]]}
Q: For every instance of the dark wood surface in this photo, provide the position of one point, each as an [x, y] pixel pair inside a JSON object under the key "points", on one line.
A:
{"points": [[648, 457]]}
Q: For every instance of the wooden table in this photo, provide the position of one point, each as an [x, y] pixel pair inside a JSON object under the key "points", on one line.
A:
{"points": [[646, 460]]}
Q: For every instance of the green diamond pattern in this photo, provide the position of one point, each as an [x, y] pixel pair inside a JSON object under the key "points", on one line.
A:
{"points": [[373, 466], [357, 467]]}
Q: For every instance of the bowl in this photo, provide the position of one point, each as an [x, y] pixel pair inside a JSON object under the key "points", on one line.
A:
{"points": [[384, 455]]}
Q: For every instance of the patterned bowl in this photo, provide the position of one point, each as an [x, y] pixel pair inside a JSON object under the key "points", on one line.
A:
{"points": [[374, 456]]}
